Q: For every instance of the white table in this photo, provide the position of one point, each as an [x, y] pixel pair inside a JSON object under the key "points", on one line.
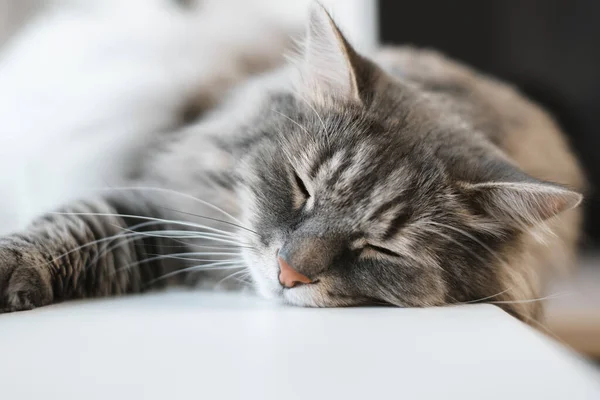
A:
{"points": [[204, 345]]}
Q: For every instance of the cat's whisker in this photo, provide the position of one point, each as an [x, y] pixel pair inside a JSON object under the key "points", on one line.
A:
{"points": [[486, 297], [230, 276], [183, 234], [468, 235], [451, 239], [212, 254], [185, 195], [127, 238], [224, 246], [470, 252], [130, 235], [473, 238], [88, 244], [174, 257], [184, 257], [549, 297], [150, 223], [246, 277], [170, 234], [177, 235], [141, 217], [484, 246], [212, 219], [195, 236], [225, 265], [105, 249], [131, 231], [124, 239], [185, 245]]}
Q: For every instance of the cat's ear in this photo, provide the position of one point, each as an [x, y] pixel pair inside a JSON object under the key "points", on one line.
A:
{"points": [[525, 203], [329, 63]]}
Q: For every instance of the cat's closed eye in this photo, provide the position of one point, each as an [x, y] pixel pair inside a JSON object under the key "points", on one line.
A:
{"points": [[301, 186], [381, 250]]}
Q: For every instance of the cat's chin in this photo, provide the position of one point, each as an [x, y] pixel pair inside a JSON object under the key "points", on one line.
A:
{"points": [[302, 296]]}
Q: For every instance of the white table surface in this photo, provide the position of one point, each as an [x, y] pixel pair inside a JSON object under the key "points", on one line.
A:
{"points": [[225, 345]]}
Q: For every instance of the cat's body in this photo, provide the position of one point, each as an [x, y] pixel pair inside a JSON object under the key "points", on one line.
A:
{"points": [[420, 186]]}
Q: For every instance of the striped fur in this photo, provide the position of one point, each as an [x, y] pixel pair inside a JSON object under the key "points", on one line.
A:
{"points": [[398, 179]]}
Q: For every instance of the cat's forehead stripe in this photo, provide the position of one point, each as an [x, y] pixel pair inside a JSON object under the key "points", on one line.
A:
{"points": [[320, 160], [396, 224]]}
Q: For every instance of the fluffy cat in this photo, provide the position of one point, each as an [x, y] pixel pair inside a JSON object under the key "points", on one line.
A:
{"points": [[404, 178]]}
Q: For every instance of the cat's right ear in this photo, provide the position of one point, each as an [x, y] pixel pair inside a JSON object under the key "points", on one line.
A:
{"points": [[329, 66], [524, 203]]}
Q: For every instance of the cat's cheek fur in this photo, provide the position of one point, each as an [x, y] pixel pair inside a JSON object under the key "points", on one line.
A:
{"points": [[263, 269]]}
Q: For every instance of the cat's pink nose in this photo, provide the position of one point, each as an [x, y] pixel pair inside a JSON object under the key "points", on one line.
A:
{"points": [[288, 276]]}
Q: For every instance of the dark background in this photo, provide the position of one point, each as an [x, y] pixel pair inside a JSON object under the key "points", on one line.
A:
{"points": [[549, 48]]}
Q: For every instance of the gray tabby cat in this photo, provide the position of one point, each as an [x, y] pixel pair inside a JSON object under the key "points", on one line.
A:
{"points": [[405, 179]]}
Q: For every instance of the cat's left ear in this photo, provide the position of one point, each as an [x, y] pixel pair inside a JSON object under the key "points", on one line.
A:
{"points": [[329, 66]]}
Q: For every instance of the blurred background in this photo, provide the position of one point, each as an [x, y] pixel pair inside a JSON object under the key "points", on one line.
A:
{"points": [[78, 76]]}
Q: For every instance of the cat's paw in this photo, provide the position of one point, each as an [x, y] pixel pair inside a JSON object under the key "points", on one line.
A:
{"points": [[25, 280]]}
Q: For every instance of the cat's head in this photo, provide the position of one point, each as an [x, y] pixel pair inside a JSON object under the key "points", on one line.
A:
{"points": [[349, 182]]}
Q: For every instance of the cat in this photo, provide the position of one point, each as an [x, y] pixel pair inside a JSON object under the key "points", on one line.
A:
{"points": [[402, 178]]}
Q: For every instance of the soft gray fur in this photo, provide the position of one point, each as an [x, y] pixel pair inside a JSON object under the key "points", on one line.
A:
{"points": [[404, 179]]}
